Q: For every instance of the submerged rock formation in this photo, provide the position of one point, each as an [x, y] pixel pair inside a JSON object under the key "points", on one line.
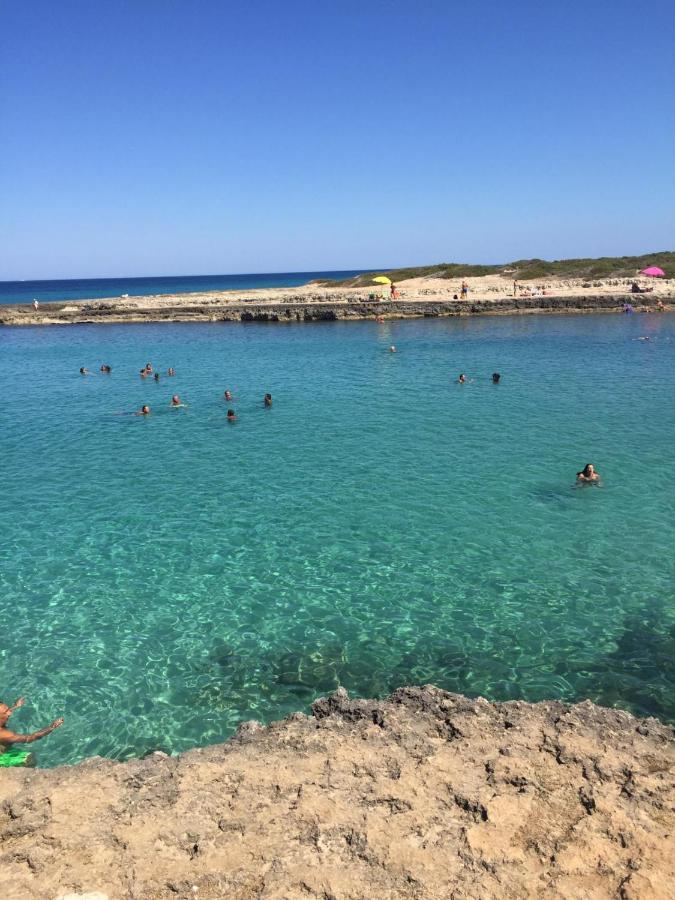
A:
{"points": [[423, 795]]}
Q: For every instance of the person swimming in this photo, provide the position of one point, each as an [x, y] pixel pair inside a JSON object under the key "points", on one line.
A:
{"points": [[8, 737], [267, 400], [231, 415], [176, 401], [156, 376], [106, 369], [392, 349], [84, 371], [171, 371], [588, 475], [461, 379], [227, 395], [148, 368], [143, 411], [496, 377]]}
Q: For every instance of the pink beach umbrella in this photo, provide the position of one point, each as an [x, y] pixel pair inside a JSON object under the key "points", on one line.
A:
{"points": [[653, 272]]}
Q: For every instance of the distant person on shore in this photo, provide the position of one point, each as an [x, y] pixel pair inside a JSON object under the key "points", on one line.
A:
{"points": [[36, 305], [465, 290], [143, 411], [231, 415], [8, 737], [106, 369], [588, 475], [171, 371], [496, 377], [515, 288], [267, 400], [393, 293], [461, 379], [227, 395]]}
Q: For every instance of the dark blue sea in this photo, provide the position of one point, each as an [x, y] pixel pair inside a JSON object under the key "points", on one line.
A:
{"points": [[97, 288]]}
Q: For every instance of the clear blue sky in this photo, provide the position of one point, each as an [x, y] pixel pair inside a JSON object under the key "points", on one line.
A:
{"points": [[142, 137]]}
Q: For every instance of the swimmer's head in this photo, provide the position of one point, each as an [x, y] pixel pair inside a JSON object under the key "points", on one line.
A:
{"points": [[392, 349], [145, 410], [156, 376], [82, 370], [231, 415], [175, 399], [587, 470], [495, 377]]}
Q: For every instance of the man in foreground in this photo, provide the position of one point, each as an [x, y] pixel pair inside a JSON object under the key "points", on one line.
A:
{"points": [[8, 755]]}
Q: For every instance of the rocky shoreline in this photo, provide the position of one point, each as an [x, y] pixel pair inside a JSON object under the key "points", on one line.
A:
{"points": [[426, 794], [304, 307]]}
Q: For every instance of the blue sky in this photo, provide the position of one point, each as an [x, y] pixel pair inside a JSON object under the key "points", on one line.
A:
{"points": [[142, 137]]}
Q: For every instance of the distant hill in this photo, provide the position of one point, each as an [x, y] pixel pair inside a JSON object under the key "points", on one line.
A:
{"points": [[522, 269]]}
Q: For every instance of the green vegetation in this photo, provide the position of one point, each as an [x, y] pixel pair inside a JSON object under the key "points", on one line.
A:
{"points": [[523, 269]]}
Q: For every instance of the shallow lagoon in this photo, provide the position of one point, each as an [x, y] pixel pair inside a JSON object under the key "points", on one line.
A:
{"points": [[162, 579]]}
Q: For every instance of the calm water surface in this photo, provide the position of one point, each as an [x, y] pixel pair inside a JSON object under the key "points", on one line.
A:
{"points": [[162, 579]]}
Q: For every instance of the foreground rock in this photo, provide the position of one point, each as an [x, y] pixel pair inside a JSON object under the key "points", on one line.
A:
{"points": [[425, 795]]}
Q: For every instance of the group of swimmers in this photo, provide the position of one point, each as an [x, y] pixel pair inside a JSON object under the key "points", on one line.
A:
{"points": [[176, 403], [496, 378]]}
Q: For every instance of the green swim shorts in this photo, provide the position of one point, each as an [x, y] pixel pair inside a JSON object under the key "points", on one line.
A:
{"points": [[15, 758]]}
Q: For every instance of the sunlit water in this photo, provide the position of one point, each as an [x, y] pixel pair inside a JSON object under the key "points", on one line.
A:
{"points": [[162, 579]]}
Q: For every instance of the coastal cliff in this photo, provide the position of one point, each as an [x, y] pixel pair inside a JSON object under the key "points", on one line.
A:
{"points": [[304, 307], [424, 795]]}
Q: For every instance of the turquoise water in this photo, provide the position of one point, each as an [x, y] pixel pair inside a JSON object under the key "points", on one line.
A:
{"points": [[162, 579]]}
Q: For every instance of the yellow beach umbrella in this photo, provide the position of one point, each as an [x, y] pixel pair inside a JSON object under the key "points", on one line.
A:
{"points": [[382, 279]]}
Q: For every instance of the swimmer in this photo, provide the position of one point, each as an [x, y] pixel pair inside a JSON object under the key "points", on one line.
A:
{"points": [[496, 377], [156, 376], [267, 400], [106, 369], [84, 371], [9, 737], [227, 395], [148, 368], [143, 373], [143, 411], [171, 371], [392, 349], [461, 379], [231, 415], [176, 401], [588, 475]]}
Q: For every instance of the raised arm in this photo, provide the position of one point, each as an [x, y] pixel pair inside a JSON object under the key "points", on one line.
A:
{"points": [[9, 737]]}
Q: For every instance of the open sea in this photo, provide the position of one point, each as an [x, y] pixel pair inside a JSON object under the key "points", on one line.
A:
{"points": [[110, 288], [164, 578]]}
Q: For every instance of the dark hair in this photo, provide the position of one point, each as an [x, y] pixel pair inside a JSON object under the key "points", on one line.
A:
{"points": [[82, 370], [268, 396], [495, 377], [156, 376], [585, 469], [230, 413]]}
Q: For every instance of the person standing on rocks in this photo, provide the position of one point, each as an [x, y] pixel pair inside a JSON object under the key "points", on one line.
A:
{"points": [[8, 737]]}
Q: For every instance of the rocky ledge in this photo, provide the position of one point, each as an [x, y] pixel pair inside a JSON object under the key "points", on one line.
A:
{"points": [[301, 308], [423, 795]]}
